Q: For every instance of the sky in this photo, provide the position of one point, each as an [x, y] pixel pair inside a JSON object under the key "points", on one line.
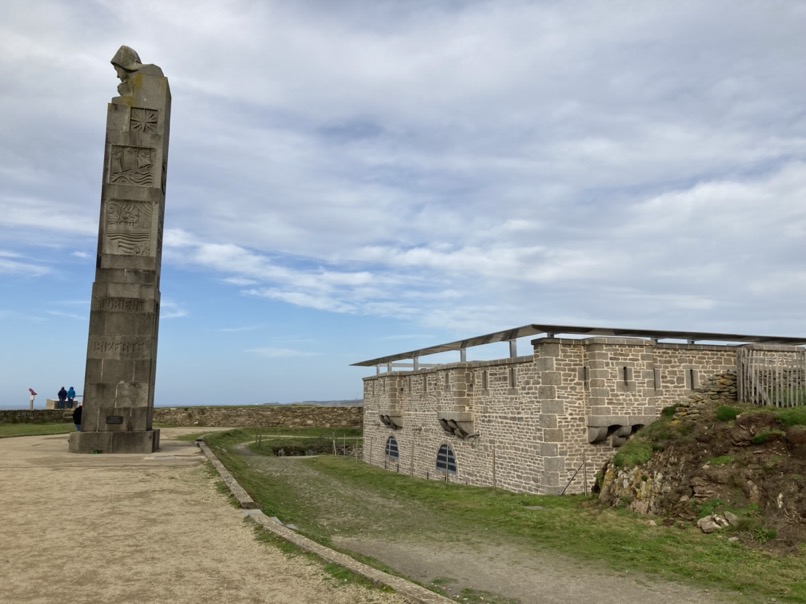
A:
{"points": [[354, 179]]}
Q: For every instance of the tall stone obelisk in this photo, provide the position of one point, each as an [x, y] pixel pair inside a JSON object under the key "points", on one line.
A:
{"points": [[124, 314]]}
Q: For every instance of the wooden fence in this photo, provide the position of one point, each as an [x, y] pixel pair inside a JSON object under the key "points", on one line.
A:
{"points": [[772, 378]]}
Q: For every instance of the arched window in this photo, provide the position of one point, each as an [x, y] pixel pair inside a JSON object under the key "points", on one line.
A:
{"points": [[391, 448], [446, 461]]}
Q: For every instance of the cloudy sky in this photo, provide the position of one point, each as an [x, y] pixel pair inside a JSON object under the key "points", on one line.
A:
{"points": [[353, 179]]}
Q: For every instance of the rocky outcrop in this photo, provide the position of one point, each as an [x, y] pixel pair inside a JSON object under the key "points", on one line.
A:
{"points": [[751, 466]]}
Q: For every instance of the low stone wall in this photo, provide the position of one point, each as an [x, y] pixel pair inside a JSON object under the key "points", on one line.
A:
{"points": [[287, 416], [36, 416], [718, 389]]}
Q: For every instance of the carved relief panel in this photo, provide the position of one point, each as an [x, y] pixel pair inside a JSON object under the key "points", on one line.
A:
{"points": [[132, 166], [127, 226], [143, 120]]}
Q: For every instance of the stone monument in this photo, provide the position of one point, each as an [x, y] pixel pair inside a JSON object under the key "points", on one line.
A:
{"points": [[124, 314]]}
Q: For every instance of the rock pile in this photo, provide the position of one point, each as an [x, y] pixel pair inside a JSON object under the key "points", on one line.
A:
{"points": [[746, 473]]}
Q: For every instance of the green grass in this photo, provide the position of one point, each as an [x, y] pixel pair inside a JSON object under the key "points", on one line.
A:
{"points": [[722, 460], [9, 430], [654, 437], [789, 416], [574, 526], [638, 453], [794, 416], [763, 437], [726, 413]]}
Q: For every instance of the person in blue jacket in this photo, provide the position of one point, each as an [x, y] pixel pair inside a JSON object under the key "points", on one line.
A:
{"points": [[62, 397], [71, 397]]}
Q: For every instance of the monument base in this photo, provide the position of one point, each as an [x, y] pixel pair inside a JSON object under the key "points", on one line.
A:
{"points": [[143, 441]]}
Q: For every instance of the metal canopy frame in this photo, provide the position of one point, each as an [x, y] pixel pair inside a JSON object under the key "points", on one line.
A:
{"points": [[510, 335]]}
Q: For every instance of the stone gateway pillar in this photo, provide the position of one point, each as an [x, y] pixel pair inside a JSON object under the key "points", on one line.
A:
{"points": [[124, 314]]}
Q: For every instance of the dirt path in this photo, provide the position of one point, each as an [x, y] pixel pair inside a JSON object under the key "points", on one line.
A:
{"points": [[420, 545], [131, 528]]}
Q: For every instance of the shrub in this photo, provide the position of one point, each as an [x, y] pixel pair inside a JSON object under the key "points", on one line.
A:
{"points": [[726, 413], [762, 535], [668, 411], [763, 437]]}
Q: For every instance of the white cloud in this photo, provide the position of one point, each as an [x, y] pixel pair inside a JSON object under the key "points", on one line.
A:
{"points": [[12, 263], [454, 167], [170, 309]]}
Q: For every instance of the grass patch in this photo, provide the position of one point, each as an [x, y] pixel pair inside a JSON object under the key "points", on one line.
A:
{"points": [[654, 437], [763, 437], [726, 413], [668, 411], [794, 416], [722, 460], [789, 416], [330, 495], [633, 453], [10, 430]]}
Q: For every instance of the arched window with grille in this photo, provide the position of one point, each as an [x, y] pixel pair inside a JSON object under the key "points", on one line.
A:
{"points": [[446, 461], [392, 452]]}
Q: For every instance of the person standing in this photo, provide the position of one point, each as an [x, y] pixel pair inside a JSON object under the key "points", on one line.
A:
{"points": [[62, 397], [71, 397], [77, 417], [31, 397]]}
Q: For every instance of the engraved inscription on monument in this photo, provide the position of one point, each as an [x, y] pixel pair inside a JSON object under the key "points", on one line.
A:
{"points": [[109, 348], [122, 304]]}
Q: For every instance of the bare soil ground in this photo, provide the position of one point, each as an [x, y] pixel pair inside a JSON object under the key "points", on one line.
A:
{"points": [[423, 546], [132, 529]]}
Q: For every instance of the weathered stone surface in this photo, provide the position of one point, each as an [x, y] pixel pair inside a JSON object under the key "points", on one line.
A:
{"points": [[558, 403], [124, 312], [142, 441], [711, 523]]}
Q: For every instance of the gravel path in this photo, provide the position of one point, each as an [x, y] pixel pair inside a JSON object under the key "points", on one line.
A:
{"points": [[133, 528]]}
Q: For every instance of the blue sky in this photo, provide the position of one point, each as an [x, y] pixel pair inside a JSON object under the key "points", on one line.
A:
{"points": [[349, 179]]}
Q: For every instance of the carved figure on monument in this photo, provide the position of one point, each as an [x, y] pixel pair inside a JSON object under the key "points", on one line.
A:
{"points": [[127, 62]]}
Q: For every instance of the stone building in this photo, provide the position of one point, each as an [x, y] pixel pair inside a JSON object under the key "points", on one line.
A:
{"points": [[546, 422]]}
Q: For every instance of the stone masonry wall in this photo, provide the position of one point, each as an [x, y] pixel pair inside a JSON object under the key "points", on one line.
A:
{"points": [[290, 416], [287, 416], [35, 416], [538, 424]]}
